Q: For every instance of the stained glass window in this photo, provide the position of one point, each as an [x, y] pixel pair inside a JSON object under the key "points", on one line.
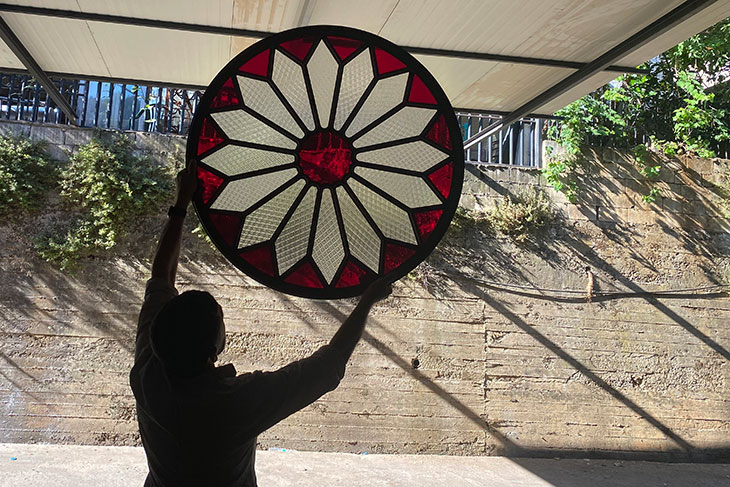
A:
{"points": [[327, 156]]}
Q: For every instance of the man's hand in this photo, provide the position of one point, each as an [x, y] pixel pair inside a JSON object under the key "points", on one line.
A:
{"points": [[377, 290], [187, 182]]}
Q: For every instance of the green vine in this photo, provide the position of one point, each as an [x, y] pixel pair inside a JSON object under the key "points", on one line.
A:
{"points": [[108, 188]]}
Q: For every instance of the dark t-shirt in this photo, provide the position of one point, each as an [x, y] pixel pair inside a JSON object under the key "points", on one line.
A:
{"points": [[202, 430]]}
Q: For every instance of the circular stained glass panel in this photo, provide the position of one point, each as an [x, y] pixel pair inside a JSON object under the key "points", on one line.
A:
{"points": [[327, 156]]}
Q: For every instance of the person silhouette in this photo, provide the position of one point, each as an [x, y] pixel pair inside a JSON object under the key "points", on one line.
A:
{"points": [[198, 421]]}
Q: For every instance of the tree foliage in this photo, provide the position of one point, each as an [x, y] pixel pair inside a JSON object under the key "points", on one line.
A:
{"points": [[681, 105]]}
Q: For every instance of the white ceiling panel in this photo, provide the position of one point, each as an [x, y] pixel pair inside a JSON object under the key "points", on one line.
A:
{"points": [[143, 53], [60, 45], [369, 15], [568, 30]]}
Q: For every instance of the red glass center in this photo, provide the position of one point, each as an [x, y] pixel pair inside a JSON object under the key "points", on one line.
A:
{"points": [[325, 157]]}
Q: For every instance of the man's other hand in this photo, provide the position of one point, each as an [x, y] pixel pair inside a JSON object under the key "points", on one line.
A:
{"points": [[377, 290]]}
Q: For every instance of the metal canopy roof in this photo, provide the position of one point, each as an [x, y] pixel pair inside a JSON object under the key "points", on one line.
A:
{"points": [[511, 56]]}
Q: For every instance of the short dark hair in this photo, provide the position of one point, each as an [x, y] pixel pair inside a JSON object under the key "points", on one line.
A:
{"points": [[185, 332]]}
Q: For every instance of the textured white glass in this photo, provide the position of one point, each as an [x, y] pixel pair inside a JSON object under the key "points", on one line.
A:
{"points": [[241, 194], [233, 160], [241, 126], [386, 95], [289, 78], [291, 245], [328, 250], [322, 70], [409, 190], [406, 122], [261, 223], [356, 77], [363, 242], [392, 221], [260, 97], [414, 156]]}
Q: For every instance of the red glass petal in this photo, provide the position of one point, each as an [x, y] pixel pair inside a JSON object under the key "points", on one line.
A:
{"points": [[352, 275], [325, 157], [387, 62], [258, 65], [419, 93], [439, 133], [441, 178], [304, 276], [227, 226], [209, 136], [262, 258], [395, 255], [226, 96], [426, 222], [343, 46], [208, 184], [299, 48]]}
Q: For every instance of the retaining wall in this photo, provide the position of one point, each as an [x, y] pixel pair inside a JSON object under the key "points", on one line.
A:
{"points": [[457, 361]]}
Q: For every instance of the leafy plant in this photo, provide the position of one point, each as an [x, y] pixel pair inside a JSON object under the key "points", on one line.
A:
{"points": [[26, 175], [522, 215], [109, 188], [670, 109]]}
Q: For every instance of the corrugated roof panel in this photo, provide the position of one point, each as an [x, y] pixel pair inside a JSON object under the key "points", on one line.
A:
{"points": [[59, 45], [208, 12], [507, 86], [159, 54], [572, 30], [369, 15], [266, 15], [8, 59], [704, 19]]}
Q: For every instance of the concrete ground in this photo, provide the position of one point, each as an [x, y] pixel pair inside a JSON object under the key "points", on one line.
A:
{"points": [[71, 466]]}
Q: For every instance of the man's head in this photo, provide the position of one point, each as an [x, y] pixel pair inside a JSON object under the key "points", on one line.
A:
{"points": [[188, 331]]}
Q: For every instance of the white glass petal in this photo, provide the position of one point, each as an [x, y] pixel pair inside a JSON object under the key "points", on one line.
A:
{"points": [[363, 242], [328, 250], [261, 223], [260, 97], [241, 126], [241, 194], [292, 243], [289, 78], [322, 70], [233, 160], [356, 77], [386, 95], [409, 190], [414, 156], [392, 221], [406, 122]]}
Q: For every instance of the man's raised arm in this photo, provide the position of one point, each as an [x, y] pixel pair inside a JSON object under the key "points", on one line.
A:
{"points": [[351, 330], [164, 264]]}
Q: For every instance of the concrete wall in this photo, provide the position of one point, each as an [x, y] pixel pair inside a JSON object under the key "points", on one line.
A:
{"points": [[456, 361]]}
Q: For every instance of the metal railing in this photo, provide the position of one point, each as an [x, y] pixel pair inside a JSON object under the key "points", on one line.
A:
{"points": [[100, 104], [144, 108], [520, 144]]}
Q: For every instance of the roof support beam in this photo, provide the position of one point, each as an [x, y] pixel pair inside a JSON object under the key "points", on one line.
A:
{"points": [[15, 45], [663, 24], [304, 16]]}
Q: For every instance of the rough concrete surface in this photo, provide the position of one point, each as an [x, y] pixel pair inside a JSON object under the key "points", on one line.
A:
{"points": [[72, 466], [490, 347]]}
